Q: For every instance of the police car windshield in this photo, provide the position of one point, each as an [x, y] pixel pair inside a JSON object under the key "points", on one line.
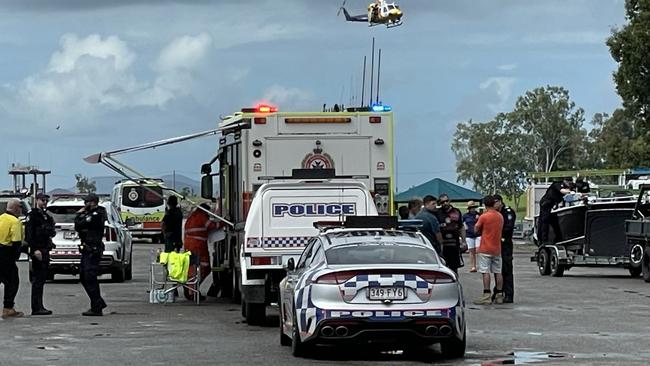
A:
{"points": [[63, 214], [137, 196], [380, 253]]}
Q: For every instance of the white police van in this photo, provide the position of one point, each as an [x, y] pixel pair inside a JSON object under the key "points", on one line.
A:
{"points": [[280, 223]]}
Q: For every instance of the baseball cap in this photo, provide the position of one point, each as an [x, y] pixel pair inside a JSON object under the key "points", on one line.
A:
{"points": [[91, 197], [42, 196]]}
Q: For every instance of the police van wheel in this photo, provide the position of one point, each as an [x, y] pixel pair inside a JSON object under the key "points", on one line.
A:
{"points": [[635, 271], [543, 262], [236, 293], [255, 313], [645, 264]]}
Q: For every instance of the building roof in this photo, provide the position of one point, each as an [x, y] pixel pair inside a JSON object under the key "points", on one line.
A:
{"points": [[437, 186]]}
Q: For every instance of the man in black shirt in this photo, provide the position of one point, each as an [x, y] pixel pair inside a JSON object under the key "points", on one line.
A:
{"points": [[39, 231], [453, 232], [172, 226], [554, 195]]}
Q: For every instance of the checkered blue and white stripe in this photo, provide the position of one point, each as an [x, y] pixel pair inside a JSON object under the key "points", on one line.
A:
{"points": [[350, 288], [285, 242]]}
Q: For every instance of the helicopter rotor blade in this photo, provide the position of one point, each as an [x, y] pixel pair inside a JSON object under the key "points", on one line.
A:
{"points": [[341, 8]]}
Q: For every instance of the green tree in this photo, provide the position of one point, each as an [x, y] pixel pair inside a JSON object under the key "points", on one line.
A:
{"points": [[630, 47], [84, 185], [491, 157], [549, 124], [612, 141]]}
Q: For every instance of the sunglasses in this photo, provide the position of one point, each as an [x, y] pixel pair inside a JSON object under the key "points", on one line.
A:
{"points": [[443, 202]]}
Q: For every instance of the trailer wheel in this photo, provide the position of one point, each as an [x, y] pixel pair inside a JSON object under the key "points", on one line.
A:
{"points": [[557, 268], [636, 256], [645, 264], [543, 262]]}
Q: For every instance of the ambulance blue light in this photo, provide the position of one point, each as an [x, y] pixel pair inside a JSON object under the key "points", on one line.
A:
{"points": [[381, 108]]}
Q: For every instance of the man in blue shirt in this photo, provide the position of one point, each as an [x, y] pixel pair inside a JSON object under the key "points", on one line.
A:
{"points": [[430, 224]]}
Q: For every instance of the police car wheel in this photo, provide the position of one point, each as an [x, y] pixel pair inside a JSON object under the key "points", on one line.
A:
{"points": [[454, 347], [298, 347], [285, 340]]}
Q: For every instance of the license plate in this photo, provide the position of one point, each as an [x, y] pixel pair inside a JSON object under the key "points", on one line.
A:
{"points": [[72, 235], [386, 293]]}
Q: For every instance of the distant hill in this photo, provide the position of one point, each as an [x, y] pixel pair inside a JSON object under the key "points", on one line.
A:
{"points": [[105, 184]]}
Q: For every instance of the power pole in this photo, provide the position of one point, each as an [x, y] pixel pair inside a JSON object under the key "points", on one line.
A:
{"points": [[174, 179]]}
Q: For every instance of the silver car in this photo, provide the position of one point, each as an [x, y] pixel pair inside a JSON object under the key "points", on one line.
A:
{"points": [[65, 258], [371, 286]]}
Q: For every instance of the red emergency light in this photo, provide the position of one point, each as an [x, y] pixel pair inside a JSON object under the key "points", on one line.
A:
{"points": [[261, 108]]}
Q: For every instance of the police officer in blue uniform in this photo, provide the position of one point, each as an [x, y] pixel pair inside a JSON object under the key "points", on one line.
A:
{"points": [[39, 231], [89, 223], [509, 220]]}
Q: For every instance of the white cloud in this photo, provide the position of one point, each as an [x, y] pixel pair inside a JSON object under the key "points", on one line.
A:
{"points": [[184, 52], [507, 67], [289, 98], [91, 75], [502, 87], [73, 48]]}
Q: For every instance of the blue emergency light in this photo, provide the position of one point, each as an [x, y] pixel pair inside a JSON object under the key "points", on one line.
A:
{"points": [[381, 108]]}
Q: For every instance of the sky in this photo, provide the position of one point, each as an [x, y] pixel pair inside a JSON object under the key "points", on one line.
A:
{"points": [[78, 77]]}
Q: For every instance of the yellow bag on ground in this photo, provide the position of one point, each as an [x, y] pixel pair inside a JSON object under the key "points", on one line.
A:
{"points": [[178, 265]]}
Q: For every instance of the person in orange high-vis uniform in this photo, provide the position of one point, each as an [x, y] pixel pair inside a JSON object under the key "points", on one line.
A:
{"points": [[197, 229]]}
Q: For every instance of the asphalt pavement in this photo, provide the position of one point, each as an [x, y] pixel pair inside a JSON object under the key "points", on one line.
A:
{"points": [[590, 316]]}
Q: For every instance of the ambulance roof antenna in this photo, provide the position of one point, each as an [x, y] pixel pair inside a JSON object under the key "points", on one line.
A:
{"points": [[363, 82], [372, 69], [378, 74]]}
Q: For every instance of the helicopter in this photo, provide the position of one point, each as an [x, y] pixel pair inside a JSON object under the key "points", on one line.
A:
{"points": [[379, 12]]}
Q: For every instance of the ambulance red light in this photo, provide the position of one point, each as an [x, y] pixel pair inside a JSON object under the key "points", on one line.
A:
{"points": [[263, 108], [375, 119]]}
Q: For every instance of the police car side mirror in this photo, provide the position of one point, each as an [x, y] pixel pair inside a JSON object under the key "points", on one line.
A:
{"points": [[130, 221], [291, 264], [442, 260]]}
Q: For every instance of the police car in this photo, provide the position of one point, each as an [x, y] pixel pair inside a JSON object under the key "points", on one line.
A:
{"points": [[359, 285], [65, 258]]}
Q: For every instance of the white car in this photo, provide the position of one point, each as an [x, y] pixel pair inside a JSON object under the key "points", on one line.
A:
{"points": [[65, 257]]}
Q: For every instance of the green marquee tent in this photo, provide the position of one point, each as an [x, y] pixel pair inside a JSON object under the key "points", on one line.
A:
{"points": [[437, 186]]}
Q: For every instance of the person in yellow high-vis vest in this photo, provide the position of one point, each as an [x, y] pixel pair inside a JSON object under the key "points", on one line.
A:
{"points": [[11, 239]]}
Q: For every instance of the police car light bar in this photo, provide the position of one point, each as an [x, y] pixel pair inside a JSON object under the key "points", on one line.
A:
{"points": [[371, 222], [410, 225], [325, 225]]}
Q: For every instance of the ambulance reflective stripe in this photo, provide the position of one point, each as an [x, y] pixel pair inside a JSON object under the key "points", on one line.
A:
{"points": [[313, 209]]}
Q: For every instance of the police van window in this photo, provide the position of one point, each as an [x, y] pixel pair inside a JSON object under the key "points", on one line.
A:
{"points": [[306, 253], [136, 196], [375, 253]]}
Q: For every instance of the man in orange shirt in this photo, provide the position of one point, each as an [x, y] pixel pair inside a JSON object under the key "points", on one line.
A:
{"points": [[197, 229], [490, 226]]}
